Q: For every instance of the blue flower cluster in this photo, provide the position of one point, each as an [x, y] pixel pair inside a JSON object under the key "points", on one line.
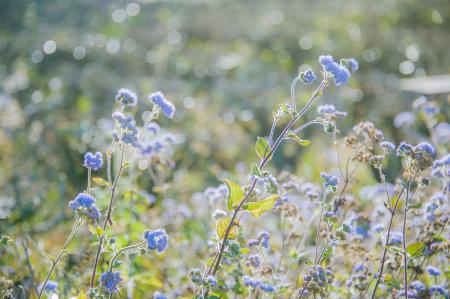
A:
{"points": [[126, 98], [342, 71], [93, 161], [157, 240], [330, 111], [433, 271], [396, 238], [262, 239], [427, 148], [254, 283], [254, 261], [129, 129], [308, 77], [438, 289], [404, 149], [84, 205], [159, 295], [51, 286], [110, 280], [330, 180], [166, 106]]}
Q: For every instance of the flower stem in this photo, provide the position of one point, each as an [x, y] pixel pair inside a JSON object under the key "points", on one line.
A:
{"points": [[60, 255]]}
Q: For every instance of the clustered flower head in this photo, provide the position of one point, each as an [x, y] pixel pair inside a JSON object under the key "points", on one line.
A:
{"points": [[51, 286], [93, 161], [159, 295], [255, 283], [330, 180], [166, 106], [433, 271], [84, 205], [110, 280], [308, 77], [157, 240], [128, 129], [329, 111], [342, 71], [126, 97]]}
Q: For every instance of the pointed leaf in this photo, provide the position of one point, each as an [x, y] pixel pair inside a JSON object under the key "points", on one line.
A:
{"points": [[415, 249], [100, 181], [235, 194], [262, 148], [255, 171], [260, 207], [301, 142], [221, 228]]}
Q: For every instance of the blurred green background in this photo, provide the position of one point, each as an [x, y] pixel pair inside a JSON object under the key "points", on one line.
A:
{"points": [[225, 64]]}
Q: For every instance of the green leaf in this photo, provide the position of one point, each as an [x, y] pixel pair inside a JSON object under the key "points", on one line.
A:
{"points": [[222, 225], [235, 194], [255, 171], [100, 181], [245, 250], [415, 249], [301, 142], [96, 230], [260, 207], [262, 148]]}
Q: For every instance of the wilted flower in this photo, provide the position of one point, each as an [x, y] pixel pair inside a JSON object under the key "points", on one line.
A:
{"points": [[387, 146]]}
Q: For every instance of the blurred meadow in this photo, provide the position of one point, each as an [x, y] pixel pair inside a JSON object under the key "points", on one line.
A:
{"points": [[225, 65]]}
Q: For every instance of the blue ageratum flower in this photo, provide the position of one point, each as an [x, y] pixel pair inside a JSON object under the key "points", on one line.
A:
{"points": [[51, 286], [404, 149], [251, 282], [441, 290], [418, 286], [110, 280], [212, 281], [427, 148], [341, 72], [93, 161], [159, 295], [267, 288], [126, 97], [433, 271], [166, 106], [264, 239], [330, 180], [308, 77], [157, 240], [83, 200], [84, 205], [396, 238]]}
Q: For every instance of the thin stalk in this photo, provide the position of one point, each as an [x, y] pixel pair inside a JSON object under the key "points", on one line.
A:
{"points": [[113, 191], [107, 218], [391, 219], [60, 255], [111, 263], [214, 267], [405, 257]]}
